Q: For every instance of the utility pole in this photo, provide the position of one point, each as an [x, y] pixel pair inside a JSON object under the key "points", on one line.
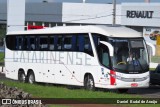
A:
{"points": [[114, 12]]}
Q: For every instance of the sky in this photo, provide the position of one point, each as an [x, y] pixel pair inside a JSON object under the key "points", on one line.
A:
{"points": [[92, 1]]}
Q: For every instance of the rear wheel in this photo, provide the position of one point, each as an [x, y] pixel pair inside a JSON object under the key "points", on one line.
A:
{"points": [[89, 83], [21, 77], [31, 78]]}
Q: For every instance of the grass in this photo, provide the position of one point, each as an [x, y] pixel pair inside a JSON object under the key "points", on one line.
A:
{"points": [[1, 57], [152, 69], [155, 59], [63, 92], [41, 91]]}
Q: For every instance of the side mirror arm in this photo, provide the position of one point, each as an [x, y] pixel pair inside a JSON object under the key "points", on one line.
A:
{"points": [[111, 49]]}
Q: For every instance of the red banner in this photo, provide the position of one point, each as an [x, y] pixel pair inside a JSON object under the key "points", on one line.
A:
{"points": [[34, 27]]}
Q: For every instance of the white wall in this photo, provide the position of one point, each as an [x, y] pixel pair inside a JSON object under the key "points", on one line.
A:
{"points": [[15, 15], [89, 13], [138, 21]]}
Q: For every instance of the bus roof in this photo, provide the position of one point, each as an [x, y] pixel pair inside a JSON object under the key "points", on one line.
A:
{"points": [[118, 31]]}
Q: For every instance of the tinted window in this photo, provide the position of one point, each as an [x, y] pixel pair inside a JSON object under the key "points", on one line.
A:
{"points": [[84, 44], [69, 42], [32, 43], [59, 43], [43, 43], [10, 42], [74, 42], [98, 37], [51, 43], [103, 54], [19, 43], [25, 43]]}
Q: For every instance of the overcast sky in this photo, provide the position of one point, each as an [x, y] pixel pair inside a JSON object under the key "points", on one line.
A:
{"points": [[90, 1]]}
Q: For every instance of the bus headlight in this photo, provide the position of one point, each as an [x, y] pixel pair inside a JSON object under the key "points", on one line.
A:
{"points": [[116, 76], [146, 77]]}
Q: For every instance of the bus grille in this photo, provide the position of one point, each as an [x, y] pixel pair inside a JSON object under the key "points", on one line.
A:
{"points": [[133, 79]]}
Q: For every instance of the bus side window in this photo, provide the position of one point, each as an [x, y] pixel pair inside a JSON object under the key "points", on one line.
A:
{"points": [[11, 42], [67, 44], [43, 43], [51, 43], [95, 39], [59, 43], [55, 42], [84, 45], [19, 43], [80, 43], [25, 43], [32, 43], [87, 46], [74, 46]]}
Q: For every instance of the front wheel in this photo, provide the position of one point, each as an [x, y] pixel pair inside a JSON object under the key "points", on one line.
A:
{"points": [[31, 78], [89, 83]]}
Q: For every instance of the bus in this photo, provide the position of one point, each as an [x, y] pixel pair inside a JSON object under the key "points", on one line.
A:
{"points": [[92, 56]]}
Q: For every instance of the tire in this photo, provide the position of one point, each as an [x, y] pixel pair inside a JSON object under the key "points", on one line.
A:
{"points": [[31, 78], [21, 77], [122, 90], [89, 83]]}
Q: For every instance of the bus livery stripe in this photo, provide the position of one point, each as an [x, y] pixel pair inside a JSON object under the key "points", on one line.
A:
{"points": [[112, 78]]}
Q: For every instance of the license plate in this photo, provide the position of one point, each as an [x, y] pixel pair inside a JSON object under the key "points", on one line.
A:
{"points": [[134, 85]]}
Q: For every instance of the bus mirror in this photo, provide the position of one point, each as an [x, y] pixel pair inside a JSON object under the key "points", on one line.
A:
{"points": [[110, 47], [153, 48]]}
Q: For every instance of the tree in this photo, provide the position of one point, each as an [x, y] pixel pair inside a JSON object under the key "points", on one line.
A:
{"points": [[2, 33]]}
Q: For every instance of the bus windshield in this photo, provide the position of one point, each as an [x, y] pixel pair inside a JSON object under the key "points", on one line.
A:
{"points": [[130, 55]]}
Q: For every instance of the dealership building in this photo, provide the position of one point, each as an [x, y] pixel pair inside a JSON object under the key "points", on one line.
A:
{"points": [[143, 17]]}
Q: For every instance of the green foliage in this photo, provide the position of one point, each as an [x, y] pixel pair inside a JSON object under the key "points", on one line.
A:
{"points": [[155, 59], [1, 57], [2, 33], [40, 91], [63, 92]]}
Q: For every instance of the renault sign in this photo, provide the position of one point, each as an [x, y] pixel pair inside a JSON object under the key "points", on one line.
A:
{"points": [[140, 14]]}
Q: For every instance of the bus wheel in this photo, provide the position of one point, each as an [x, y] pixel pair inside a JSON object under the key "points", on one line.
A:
{"points": [[89, 83], [31, 78], [21, 77], [122, 90]]}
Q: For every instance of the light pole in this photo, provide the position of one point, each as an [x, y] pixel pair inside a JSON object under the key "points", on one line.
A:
{"points": [[114, 12]]}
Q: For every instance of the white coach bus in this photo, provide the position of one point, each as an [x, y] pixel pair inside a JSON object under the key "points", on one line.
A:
{"points": [[89, 56]]}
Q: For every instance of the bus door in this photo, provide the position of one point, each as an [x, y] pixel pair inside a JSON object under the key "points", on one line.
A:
{"points": [[105, 61]]}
